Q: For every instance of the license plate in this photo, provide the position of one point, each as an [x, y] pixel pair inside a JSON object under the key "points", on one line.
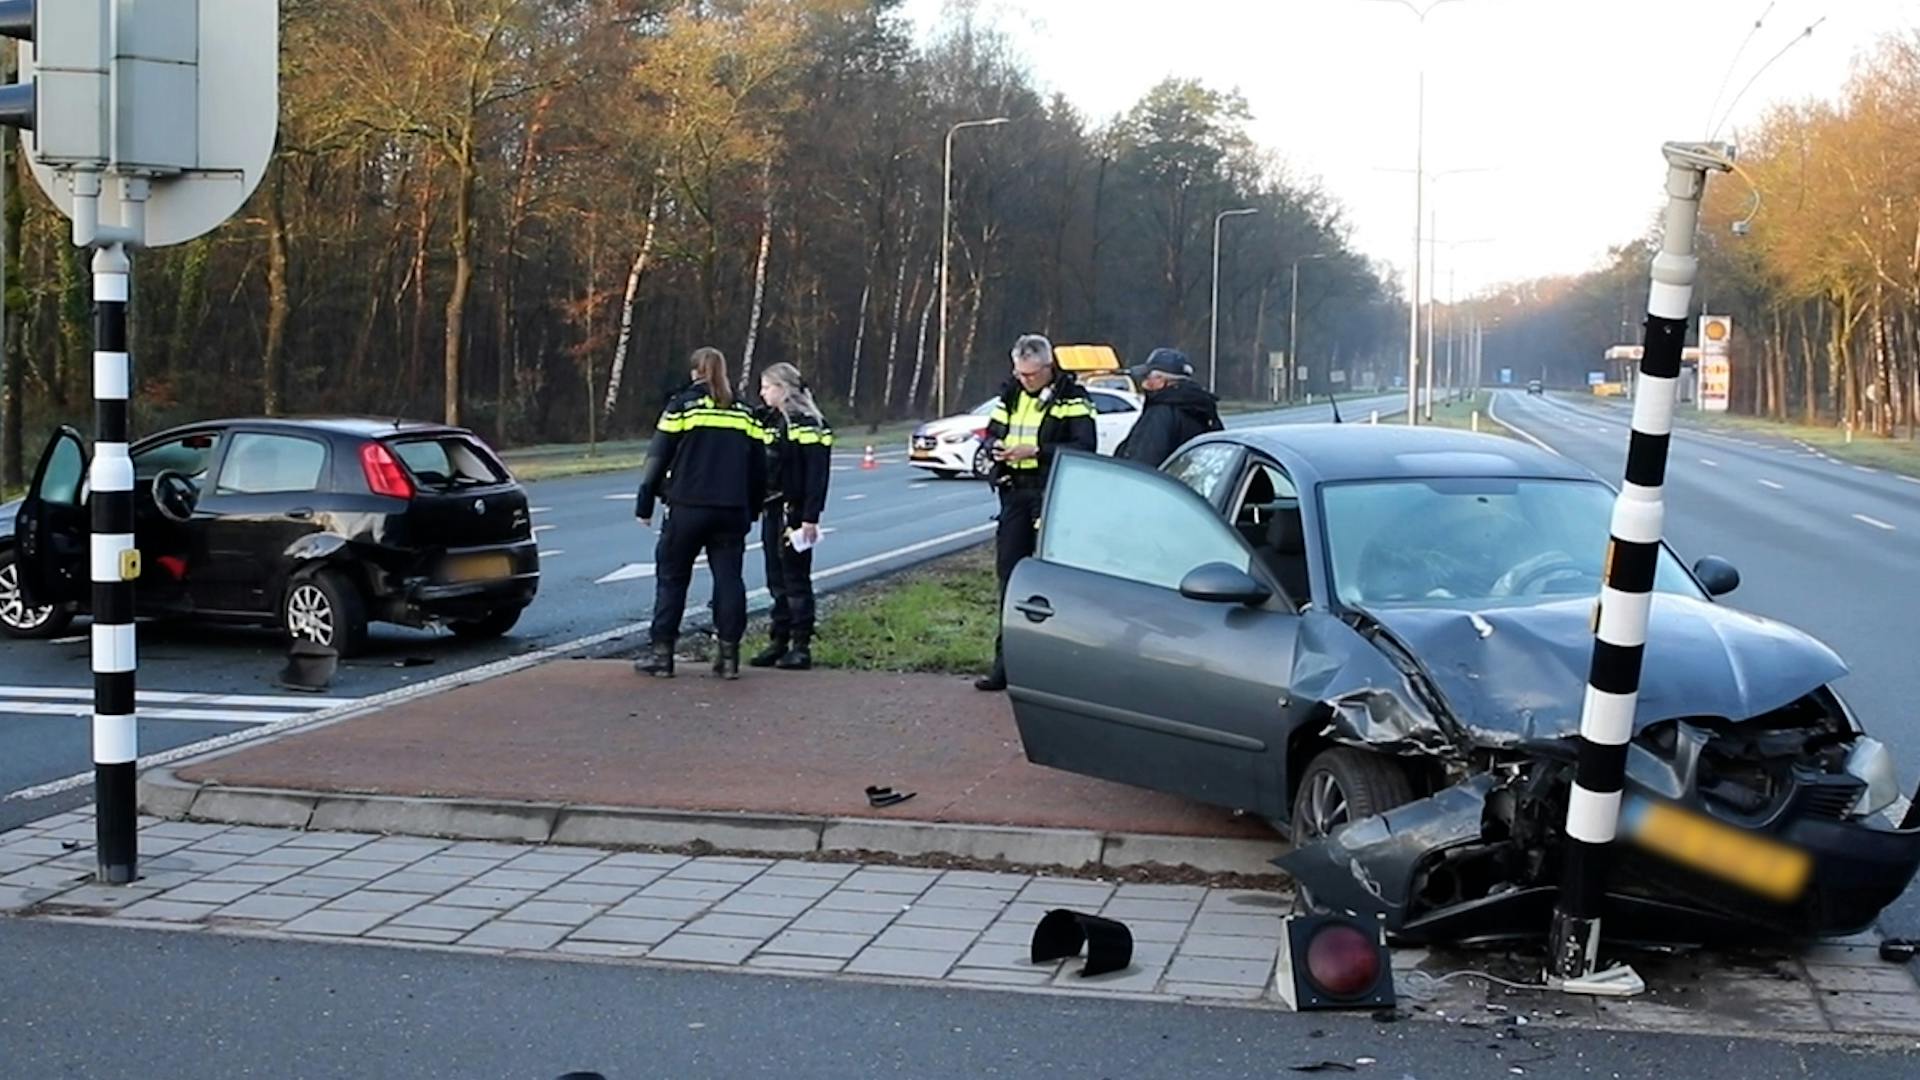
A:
{"points": [[921, 455], [1753, 862], [480, 568]]}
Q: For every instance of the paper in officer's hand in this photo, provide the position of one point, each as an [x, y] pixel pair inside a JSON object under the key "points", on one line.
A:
{"points": [[797, 540]]}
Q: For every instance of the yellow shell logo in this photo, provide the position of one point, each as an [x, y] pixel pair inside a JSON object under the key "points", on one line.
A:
{"points": [[1716, 330]]}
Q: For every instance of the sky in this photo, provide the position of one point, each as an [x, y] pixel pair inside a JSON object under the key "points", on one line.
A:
{"points": [[1544, 118]]}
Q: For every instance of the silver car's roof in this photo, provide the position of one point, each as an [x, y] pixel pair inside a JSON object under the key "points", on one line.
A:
{"points": [[1334, 453]]}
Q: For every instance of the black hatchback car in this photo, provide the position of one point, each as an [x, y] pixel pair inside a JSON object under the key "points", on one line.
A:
{"points": [[317, 526]]}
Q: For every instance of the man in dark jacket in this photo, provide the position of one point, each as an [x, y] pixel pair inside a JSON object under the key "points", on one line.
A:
{"points": [[1041, 410], [1177, 409]]}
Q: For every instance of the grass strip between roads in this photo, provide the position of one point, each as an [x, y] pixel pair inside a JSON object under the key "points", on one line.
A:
{"points": [[1900, 455], [552, 461], [1460, 414]]}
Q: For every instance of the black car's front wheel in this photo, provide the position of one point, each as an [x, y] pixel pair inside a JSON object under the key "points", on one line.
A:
{"points": [[17, 620], [326, 608], [1344, 785], [494, 624]]}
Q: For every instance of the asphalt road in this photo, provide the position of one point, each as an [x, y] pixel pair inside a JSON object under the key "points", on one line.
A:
{"points": [[91, 1001], [200, 682], [1824, 545]]}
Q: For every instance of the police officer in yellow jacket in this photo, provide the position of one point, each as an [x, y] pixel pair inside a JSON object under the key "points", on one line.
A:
{"points": [[1041, 410], [799, 465], [708, 464]]}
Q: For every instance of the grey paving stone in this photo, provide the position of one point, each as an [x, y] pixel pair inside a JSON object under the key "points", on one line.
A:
{"points": [[626, 931], [849, 900], [658, 907], [265, 908], [423, 934], [530, 880], [167, 879], [186, 830], [926, 939], [821, 964], [554, 912], [715, 870], [83, 861], [333, 841], [1226, 947], [774, 885], [239, 843], [336, 923], [486, 849], [554, 862], [757, 927], [1855, 979], [475, 896], [1081, 895], [441, 917], [323, 888], [354, 869], [602, 948], [571, 850], [255, 873], [1894, 1014], [1221, 972], [903, 963], [671, 889], [689, 947], [410, 881], [1002, 976], [984, 879], [44, 846], [16, 898], [11, 862], [1853, 955], [154, 847], [1136, 978], [1010, 957], [391, 903], [1162, 910], [458, 865], [829, 921], [46, 877], [524, 936], [1237, 926], [404, 849], [785, 907], [212, 892], [77, 829], [828, 871], [948, 918], [817, 943], [574, 892], [954, 896], [909, 882], [606, 874], [1005, 932], [1150, 930], [1130, 891], [1212, 991], [105, 897], [1247, 902], [646, 860], [167, 911], [287, 855]]}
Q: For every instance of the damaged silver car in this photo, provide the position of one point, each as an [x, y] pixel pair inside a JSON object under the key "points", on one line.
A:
{"points": [[1377, 639]]}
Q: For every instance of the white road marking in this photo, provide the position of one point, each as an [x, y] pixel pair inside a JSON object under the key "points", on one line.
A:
{"points": [[538, 529], [1495, 417], [78, 708], [1710, 463], [1875, 522], [551, 554], [169, 697], [619, 496], [74, 640], [1910, 480], [445, 682], [1774, 486], [540, 510], [923, 483], [855, 498], [1864, 469], [635, 571], [842, 468]]}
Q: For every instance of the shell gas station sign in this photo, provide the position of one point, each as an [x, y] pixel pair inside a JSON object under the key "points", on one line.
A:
{"points": [[1716, 364]]}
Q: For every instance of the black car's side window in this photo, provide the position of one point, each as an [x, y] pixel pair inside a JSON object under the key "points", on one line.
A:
{"points": [[259, 464], [188, 455]]}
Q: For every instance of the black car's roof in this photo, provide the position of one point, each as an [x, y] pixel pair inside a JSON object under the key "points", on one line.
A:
{"points": [[364, 427], [1333, 453]]}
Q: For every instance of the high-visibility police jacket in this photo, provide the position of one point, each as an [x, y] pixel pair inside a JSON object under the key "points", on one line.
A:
{"points": [[1059, 417], [705, 454], [799, 464]]}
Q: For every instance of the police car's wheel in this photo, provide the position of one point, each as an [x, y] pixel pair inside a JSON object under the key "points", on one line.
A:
{"points": [[982, 463]]}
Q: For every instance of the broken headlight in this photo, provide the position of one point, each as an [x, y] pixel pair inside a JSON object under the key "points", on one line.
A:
{"points": [[1871, 763]]}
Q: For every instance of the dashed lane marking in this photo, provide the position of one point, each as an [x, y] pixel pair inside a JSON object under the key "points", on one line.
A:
{"points": [[1873, 521], [1772, 485]]}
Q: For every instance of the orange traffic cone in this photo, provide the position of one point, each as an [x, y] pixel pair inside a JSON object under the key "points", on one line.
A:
{"points": [[867, 462]]}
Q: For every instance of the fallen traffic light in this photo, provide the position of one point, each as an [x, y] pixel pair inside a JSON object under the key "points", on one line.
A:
{"points": [[1333, 962]]}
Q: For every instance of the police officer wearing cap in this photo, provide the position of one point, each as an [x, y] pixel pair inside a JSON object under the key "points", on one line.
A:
{"points": [[1177, 409], [708, 463], [1042, 410]]}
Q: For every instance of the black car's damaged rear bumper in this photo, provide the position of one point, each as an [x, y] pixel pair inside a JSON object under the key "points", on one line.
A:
{"points": [[1479, 862]]}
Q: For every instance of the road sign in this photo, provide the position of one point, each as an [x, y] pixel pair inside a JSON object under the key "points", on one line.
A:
{"points": [[1337, 377], [1595, 378], [1302, 373], [1506, 376], [1277, 361], [1716, 362]]}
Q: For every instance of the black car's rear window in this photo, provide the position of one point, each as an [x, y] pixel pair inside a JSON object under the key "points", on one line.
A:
{"points": [[448, 461]]}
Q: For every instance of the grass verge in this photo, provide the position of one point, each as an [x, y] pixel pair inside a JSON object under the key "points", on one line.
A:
{"points": [[1460, 414], [1898, 455], [552, 461]]}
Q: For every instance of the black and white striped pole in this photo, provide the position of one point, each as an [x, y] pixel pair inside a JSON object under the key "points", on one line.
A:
{"points": [[116, 565], [1626, 596]]}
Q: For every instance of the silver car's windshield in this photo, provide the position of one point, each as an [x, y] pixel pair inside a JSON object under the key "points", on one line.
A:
{"points": [[1472, 542]]}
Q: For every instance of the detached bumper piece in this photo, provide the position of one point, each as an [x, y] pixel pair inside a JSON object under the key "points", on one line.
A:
{"points": [[1061, 934]]}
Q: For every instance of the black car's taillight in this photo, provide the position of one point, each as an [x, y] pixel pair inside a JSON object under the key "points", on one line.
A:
{"points": [[385, 476]]}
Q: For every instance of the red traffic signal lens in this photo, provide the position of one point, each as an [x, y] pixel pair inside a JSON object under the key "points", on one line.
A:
{"points": [[1342, 961]]}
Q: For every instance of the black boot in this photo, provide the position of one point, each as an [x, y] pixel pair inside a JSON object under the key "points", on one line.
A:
{"points": [[658, 662], [726, 660], [798, 658], [770, 655]]}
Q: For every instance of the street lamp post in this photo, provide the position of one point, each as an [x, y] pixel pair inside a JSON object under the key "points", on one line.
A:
{"points": [[1213, 321], [1293, 316], [946, 245]]}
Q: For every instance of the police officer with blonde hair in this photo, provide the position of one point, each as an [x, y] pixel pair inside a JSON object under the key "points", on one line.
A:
{"points": [[1042, 410]]}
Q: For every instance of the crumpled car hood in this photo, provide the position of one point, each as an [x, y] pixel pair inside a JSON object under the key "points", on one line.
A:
{"points": [[1526, 679]]}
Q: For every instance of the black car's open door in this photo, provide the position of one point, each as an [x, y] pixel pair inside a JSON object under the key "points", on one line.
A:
{"points": [[52, 530]]}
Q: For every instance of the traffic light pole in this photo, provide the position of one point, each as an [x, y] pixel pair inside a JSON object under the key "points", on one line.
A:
{"points": [[1626, 596], [116, 563]]}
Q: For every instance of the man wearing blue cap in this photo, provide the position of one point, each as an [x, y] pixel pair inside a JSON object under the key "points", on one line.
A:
{"points": [[1177, 409]]}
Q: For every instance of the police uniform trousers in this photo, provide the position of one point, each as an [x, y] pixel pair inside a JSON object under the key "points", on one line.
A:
{"points": [[789, 579], [1015, 538], [720, 532]]}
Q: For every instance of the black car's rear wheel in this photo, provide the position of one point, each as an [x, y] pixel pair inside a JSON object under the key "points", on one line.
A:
{"points": [[17, 620], [494, 624], [326, 608], [1343, 785]]}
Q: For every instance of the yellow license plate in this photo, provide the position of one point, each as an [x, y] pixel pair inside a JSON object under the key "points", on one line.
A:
{"points": [[1753, 862], [480, 568]]}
